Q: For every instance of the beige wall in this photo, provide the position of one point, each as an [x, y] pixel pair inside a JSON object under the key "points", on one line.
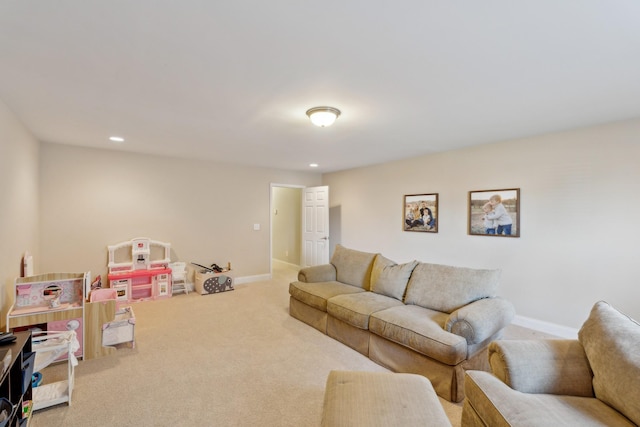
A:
{"points": [[93, 198], [287, 224], [580, 200], [18, 199]]}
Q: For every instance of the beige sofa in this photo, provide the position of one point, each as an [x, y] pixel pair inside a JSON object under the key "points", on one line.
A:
{"points": [[591, 381], [421, 318]]}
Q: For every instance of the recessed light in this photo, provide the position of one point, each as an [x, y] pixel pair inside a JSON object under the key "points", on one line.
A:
{"points": [[116, 139], [313, 165]]}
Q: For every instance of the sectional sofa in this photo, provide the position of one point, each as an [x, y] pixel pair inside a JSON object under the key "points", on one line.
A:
{"points": [[428, 319]]}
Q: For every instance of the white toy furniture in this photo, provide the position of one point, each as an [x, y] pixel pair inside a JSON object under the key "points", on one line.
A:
{"points": [[111, 325], [138, 269], [179, 277], [50, 347]]}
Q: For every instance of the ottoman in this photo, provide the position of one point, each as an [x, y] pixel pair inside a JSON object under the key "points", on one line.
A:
{"points": [[384, 399]]}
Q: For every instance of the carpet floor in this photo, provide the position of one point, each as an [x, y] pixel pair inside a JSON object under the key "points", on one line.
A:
{"points": [[230, 359]]}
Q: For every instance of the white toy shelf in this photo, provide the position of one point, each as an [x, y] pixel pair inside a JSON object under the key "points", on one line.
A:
{"points": [[139, 269], [49, 346]]}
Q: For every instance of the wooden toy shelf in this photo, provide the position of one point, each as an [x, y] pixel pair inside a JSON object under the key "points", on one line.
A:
{"points": [[40, 314], [51, 301]]}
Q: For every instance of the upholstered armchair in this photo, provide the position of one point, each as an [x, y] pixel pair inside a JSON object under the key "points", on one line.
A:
{"points": [[591, 381]]}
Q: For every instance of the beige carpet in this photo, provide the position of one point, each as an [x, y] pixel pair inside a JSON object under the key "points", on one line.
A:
{"points": [[230, 359]]}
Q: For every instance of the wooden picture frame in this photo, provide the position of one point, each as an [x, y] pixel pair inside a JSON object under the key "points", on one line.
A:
{"points": [[418, 209], [494, 213]]}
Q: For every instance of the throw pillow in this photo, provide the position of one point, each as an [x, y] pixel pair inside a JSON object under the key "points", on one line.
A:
{"points": [[389, 278], [611, 341]]}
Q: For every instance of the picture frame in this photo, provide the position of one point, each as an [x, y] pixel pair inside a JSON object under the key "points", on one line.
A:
{"points": [[419, 208], [494, 213]]}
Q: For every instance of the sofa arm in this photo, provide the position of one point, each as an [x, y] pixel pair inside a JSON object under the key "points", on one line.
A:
{"points": [[490, 402], [481, 319], [542, 366], [317, 273]]}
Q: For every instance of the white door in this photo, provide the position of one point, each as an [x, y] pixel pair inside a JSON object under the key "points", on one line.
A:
{"points": [[315, 226]]}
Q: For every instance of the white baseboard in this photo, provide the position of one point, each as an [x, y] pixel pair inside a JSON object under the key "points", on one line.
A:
{"points": [[284, 264], [546, 327]]}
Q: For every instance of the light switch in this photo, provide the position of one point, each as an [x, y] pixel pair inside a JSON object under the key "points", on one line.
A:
{"points": [[256, 227]]}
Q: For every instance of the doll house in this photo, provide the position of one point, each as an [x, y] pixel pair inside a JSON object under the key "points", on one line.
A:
{"points": [[50, 302]]}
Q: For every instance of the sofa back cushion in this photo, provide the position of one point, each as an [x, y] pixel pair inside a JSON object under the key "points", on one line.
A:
{"points": [[611, 341], [446, 288], [353, 267], [389, 278]]}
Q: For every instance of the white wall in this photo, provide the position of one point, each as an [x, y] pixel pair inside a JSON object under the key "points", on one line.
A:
{"points": [[580, 233], [18, 200], [93, 198]]}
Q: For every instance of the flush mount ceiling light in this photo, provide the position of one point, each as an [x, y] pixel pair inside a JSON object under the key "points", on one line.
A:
{"points": [[116, 139], [323, 116]]}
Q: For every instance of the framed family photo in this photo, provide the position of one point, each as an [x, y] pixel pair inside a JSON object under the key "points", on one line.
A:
{"points": [[420, 213], [494, 213]]}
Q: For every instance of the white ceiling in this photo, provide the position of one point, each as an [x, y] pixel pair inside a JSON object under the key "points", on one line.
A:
{"points": [[231, 80]]}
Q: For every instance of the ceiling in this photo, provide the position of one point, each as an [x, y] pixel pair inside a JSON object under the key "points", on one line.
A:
{"points": [[231, 80]]}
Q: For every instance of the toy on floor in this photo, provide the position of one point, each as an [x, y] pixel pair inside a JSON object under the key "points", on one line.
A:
{"points": [[36, 379], [214, 279], [217, 284]]}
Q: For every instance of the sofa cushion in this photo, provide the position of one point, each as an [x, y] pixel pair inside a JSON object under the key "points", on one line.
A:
{"points": [[611, 341], [421, 330], [446, 288], [317, 294], [490, 402], [353, 267], [389, 278], [355, 309]]}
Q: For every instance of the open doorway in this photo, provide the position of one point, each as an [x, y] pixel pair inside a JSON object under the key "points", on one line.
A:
{"points": [[286, 227]]}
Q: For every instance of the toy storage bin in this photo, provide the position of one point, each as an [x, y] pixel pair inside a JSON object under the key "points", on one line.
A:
{"points": [[6, 406], [120, 330], [211, 283]]}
